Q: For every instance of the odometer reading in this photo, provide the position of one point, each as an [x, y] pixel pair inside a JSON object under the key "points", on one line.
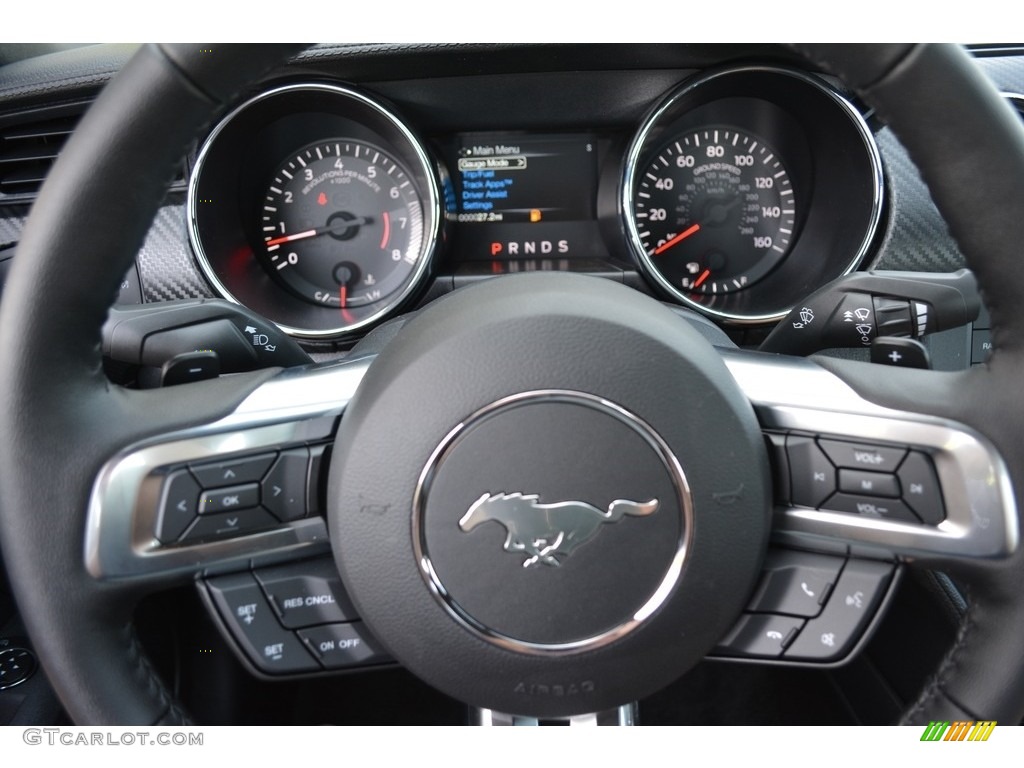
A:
{"points": [[714, 210], [342, 227]]}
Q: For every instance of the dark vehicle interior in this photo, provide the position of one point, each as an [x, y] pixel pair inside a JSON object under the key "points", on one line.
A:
{"points": [[575, 384]]}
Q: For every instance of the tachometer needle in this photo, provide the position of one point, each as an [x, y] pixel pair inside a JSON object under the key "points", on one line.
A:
{"points": [[296, 236], [337, 226], [677, 239]]}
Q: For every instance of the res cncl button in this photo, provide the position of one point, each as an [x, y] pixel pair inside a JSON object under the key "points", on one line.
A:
{"points": [[308, 594]]}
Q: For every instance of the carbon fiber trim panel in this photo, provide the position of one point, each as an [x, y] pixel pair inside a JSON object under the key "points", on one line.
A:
{"points": [[916, 238], [12, 219], [167, 268], [1006, 72]]}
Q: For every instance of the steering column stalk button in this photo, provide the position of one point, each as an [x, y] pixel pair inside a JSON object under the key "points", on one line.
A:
{"points": [[270, 647], [812, 475], [833, 634]]}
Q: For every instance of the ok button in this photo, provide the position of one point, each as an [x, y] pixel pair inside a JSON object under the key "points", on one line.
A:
{"points": [[229, 499]]}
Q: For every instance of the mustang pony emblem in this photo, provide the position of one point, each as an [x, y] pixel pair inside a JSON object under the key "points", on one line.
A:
{"points": [[547, 532]]}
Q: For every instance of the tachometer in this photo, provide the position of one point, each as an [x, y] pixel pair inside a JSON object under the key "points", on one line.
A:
{"points": [[715, 210], [342, 226], [317, 207]]}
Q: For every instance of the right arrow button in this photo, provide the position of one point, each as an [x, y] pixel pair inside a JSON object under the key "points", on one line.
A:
{"points": [[284, 487]]}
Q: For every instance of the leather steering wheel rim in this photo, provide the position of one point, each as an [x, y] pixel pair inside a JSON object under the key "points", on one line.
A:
{"points": [[61, 418]]}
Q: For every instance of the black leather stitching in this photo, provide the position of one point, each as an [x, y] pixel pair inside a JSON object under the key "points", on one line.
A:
{"points": [[948, 667], [170, 712]]}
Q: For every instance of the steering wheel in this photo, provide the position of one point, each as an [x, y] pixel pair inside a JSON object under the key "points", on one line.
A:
{"points": [[463, 401]]}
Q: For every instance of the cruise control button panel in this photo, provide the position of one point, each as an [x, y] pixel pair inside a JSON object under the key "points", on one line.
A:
{"points": [[809, 608], [891, 482], [293, 619], [211, 500]]}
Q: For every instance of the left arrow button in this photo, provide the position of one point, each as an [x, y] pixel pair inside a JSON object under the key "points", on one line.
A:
{"points": [[178, 505]]}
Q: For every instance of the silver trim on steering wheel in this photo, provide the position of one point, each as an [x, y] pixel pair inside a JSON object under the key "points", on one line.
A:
{"points": [[795, 394], [787, 394]]}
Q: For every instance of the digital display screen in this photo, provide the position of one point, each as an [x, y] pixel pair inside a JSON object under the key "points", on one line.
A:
{"points": [[525, 179], [525, 195]]}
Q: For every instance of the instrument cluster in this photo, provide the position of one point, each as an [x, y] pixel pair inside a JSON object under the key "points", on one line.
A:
{"points": [[742, 190]]}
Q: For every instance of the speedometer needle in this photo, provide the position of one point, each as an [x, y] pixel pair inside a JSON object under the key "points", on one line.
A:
{"points": [[677, 239]]}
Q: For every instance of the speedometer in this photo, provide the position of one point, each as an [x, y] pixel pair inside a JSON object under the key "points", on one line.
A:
{"points": [[715, 210], [746, 188]]}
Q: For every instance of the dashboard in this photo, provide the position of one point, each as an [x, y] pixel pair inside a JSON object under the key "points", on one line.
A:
{"points": [[730, 180]]}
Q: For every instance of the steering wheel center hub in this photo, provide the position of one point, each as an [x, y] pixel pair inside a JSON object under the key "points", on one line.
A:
{"points": [[586, 500], [549, 483]]}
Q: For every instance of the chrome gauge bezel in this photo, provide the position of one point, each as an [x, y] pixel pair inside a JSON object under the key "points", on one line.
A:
{"points": [[730, 83], [339, 100]]}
